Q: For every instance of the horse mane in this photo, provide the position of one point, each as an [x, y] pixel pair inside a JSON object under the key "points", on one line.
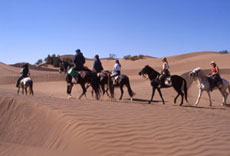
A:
{"points": [[201, 71], [151, 69]]}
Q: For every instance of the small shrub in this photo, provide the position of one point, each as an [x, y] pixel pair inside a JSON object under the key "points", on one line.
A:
{"points": [[133, 58]]}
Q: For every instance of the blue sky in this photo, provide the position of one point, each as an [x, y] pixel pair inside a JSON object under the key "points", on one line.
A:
{"points": [[32, 29]]}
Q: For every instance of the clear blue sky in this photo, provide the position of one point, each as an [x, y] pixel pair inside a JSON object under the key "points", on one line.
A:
{"points": [[32, 29]]}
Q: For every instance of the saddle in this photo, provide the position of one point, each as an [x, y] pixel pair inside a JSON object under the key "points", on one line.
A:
{"points": [[116, 80], [164, 81], [77, 74], [167, 81]]}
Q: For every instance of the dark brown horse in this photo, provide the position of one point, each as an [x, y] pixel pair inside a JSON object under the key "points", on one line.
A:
{"points": [[177, 83], [122, 80], [104, 81], [86, 76]]}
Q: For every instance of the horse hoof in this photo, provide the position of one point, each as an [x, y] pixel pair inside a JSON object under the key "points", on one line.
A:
{"points": [[149, 102], [131, 99], [69, 97]]}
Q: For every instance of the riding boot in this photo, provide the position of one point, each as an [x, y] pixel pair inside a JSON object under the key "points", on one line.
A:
{"points": [[159, 83], [18, 82], [212, 87]]}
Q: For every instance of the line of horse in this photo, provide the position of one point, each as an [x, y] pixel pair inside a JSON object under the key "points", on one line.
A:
{"points": [[102, 83]]}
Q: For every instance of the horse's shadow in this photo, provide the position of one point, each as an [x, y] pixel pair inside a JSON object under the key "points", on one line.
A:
{"points": [[212, 108], [142, 101]]}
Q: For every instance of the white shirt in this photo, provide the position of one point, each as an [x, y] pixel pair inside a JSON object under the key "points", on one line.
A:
{"points": [[165, 66], [116, 69]]}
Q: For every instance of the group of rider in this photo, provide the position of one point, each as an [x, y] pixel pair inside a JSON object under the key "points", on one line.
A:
{"points": [[79, 61]]}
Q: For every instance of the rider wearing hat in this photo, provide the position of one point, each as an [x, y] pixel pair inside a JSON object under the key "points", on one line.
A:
{"points": [[215, 76], [79, 60], [164, 71], [97, 66], [24, 73]]}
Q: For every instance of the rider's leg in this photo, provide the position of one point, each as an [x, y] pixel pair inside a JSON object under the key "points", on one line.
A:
{"points": [[18, 81]]}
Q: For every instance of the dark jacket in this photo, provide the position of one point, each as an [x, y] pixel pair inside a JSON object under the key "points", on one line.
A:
{"points": [[97, 66], [25, 72], [79, 61]]}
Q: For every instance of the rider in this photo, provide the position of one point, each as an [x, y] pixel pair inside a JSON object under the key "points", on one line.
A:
{"points": [[24, 73], [164, 71], [97, 66], [116, 71], [79, 61], [215, 76]]}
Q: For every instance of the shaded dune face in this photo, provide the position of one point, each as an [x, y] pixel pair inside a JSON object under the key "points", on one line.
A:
{"points": [[49, 124]]}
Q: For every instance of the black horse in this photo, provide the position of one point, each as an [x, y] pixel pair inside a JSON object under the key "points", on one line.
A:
{"points": [[64, 66], [122, 80], [177, 84], [86, 77]]}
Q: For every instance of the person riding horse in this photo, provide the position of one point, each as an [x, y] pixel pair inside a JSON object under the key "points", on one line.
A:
{"points": [[24, 73], [79, 61], [215, 76], [97, 66], [116, 71], [164, 72]]}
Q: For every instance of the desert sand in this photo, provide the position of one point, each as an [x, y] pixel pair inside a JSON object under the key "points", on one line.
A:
{"points": [[49, 124]]}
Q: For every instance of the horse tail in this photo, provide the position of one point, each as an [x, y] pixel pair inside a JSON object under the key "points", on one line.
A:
{"points": [[31, 88], [131, 93], [185, 90], [110, 86]]}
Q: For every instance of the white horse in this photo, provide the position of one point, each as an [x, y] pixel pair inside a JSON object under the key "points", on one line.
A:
{"points": [[24, 84], [204, 85]]}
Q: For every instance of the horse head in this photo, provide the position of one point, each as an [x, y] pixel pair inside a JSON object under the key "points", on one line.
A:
{"points": [[194, 73], [64, 66], [197, 73], [149, 72]]}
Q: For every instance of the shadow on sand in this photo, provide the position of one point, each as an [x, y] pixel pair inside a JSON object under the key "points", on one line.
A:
{"points": [[212, 108]]}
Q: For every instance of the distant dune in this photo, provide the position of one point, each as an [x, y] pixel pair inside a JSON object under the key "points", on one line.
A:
{"points": [[49, 124]]}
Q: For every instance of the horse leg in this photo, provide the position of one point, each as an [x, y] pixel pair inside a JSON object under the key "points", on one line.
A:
{"points": [[179, 92], [69, 90], [26, 90], [225, 95], [159, 91], [83, 91], [153, 92], [176, 98], [210, 100], [23, 90], [18, 90], [122, 91], [198, 98]]}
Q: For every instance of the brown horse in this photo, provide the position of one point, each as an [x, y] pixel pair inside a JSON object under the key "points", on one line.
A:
{"points": [[121, 81]]}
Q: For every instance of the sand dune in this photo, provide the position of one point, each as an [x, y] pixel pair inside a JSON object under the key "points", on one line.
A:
{"points": [[49, 124]]}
